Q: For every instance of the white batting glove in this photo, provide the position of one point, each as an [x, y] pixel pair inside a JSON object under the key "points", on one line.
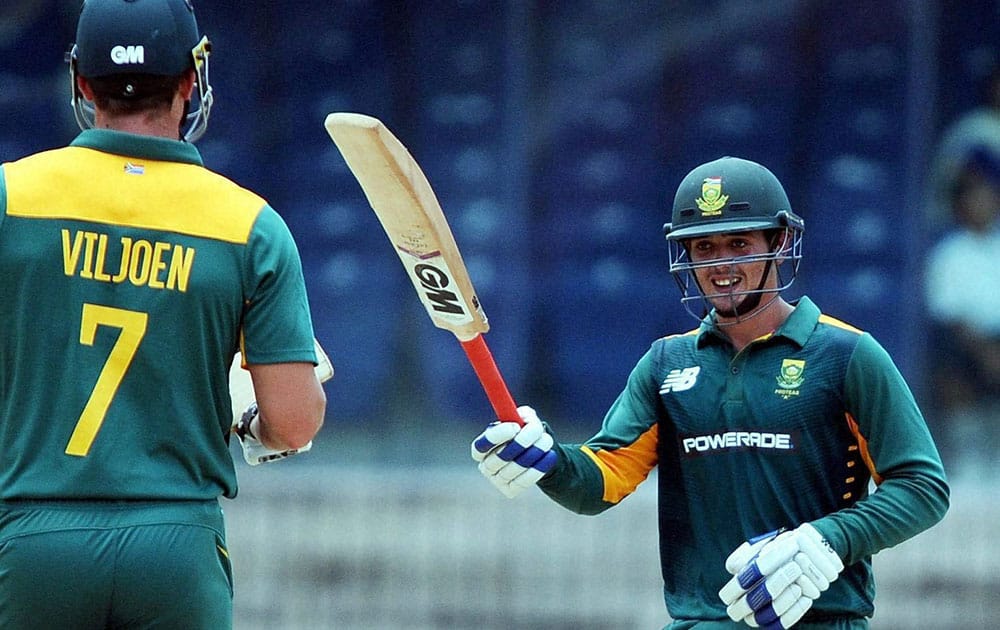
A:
{"points": [[778, 576], [254, 451], [746, 552], [514, 457]]}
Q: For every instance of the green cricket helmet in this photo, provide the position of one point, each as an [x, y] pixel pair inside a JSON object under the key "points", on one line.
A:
{"points": [[140, 37], [727, 196]]}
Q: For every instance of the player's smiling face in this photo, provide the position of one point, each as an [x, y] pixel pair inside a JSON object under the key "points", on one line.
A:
{"points": [[723, 280]]}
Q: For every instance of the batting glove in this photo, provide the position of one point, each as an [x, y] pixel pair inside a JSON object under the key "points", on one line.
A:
{"points": [[514, 457], [778, 576], [254, 451]]}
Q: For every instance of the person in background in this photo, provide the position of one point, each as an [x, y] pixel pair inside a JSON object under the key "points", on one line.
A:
{"points": [[131, 275], [975, 130], [962, 294], [766, 424]]}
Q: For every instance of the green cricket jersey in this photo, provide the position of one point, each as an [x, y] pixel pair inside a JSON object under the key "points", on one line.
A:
{"points": [[129, 276], [789, 430]]}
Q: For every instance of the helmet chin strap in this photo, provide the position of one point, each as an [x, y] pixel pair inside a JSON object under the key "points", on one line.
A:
{"points": [[745, 311], [751, 305], [183, 121]]}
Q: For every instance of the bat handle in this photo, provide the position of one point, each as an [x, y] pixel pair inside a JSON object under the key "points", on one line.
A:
{"points": [[489, 375]]}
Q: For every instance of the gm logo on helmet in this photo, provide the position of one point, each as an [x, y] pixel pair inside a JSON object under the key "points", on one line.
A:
{"points": [[124, 55]]}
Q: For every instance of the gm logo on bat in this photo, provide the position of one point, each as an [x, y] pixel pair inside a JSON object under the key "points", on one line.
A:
{"points": [[433, 282]]}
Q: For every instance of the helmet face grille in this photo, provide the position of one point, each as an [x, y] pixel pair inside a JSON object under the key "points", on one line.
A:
{"points": [[783, 260]]}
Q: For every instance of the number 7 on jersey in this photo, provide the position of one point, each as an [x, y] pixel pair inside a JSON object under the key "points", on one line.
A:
{"points": [[133, 329]]}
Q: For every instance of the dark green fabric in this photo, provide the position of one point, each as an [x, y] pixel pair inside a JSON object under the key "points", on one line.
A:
{"points": [[165, 432], [93, 566]]}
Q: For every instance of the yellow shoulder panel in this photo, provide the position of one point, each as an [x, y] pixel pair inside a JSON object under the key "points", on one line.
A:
{"points": [[683, 334], [833, 321], [83, 184]]}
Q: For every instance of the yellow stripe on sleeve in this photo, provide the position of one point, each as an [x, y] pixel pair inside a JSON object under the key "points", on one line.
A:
{"points": [[625, 468], [866, 455]]}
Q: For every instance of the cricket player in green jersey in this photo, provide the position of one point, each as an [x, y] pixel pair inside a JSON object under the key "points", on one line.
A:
{"points": [[766, 425], [130, 276]]}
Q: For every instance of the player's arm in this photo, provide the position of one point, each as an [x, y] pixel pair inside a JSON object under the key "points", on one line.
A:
{"points": [[608, 467], [286, 415], [290, 402], [775, 590], [913, 493], [576, 482], [590, 478], [277, 370]]}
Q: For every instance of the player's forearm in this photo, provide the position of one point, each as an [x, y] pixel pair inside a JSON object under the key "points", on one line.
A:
{"points": [[292, 429], [904, 505], [576, 482]]}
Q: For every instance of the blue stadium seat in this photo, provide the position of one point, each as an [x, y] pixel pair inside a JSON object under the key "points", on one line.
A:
{"points": [[745, 103], [859, 23], [605, 228], [351, 296], [854, 212], [597, 317], [971, 53], [459, 169], [877, 298], [872, 126], [34, 115]]}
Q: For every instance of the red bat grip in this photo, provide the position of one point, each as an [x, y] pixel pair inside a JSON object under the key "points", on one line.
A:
{"points": [[486, 369]]}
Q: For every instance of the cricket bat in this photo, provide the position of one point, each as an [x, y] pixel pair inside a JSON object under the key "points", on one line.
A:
{"points": [[411, 216]]}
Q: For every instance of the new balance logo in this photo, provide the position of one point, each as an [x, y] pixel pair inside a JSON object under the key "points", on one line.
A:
{"points": [[679, 380], [126, 55]]}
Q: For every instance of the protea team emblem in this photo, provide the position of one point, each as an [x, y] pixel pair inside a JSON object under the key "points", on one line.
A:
{"points": [[711, 199], [790, 378]]}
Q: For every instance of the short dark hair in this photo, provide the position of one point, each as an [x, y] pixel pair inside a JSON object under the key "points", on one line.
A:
{"points": [[133, 93]]}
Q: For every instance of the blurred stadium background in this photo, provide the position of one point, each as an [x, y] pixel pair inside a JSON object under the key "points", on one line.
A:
{"points": [[554, 134]]}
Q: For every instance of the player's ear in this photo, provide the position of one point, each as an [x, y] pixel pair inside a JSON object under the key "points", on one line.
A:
{"points": [[186, 85], [84, 86], [781, 243]]}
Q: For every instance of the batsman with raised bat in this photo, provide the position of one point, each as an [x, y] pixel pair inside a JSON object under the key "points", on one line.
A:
{"points": [[131, 276], [766, 424]]}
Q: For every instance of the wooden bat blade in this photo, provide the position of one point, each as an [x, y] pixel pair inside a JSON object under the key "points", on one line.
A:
{"points": [[411, 216], [408, 209]]}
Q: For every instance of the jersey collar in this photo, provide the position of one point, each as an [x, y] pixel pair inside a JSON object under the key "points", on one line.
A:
{"points": [[801, 323], [796, 328], [139, 146]]}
